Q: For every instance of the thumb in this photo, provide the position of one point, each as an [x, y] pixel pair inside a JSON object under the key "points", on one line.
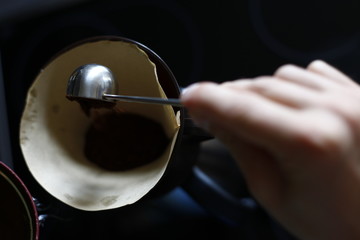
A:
{"points": [[198, 102], [207, 105]]}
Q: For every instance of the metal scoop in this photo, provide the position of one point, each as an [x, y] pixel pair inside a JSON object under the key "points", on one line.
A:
{"points": [[96, 82]]}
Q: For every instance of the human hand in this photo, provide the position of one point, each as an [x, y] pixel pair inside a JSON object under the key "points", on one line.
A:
{"points": [[296, 138]]}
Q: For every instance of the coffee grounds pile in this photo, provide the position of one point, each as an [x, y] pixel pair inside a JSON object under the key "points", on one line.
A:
{"points": [[122, 141]]}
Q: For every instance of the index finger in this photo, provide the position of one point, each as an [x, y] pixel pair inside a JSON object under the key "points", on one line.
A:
{"points": [[244, 113]]}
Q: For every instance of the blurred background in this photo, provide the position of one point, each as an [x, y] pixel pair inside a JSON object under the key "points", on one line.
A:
{"points": [[209, 40]]}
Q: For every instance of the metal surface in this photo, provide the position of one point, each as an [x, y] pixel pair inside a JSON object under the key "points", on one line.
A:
{"points": [[91, 81], [94, 81]]}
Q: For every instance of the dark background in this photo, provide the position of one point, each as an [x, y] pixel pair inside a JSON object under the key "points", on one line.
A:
{"points": [[199, 40]]}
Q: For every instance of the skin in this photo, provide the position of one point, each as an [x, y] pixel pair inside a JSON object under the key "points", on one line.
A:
{"points": [[296, 138]]}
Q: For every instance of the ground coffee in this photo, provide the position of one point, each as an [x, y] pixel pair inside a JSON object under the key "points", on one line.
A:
{"points": [[121, 141]]}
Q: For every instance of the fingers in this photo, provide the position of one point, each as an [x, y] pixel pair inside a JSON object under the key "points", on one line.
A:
{"points": [[318, 75], [303, 77], [275, 89], [294, 86], [269, 112], [244, 113], [325, 70]]}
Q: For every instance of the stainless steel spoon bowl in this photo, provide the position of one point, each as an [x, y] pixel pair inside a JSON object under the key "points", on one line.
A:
{"points": [[96, 82]]}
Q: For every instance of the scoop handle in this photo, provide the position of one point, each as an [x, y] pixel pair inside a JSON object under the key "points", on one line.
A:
{"points": [[138, 99]]}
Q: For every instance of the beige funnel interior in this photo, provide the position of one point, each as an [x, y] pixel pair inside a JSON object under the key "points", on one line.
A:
{"points": [[52, 128]]}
